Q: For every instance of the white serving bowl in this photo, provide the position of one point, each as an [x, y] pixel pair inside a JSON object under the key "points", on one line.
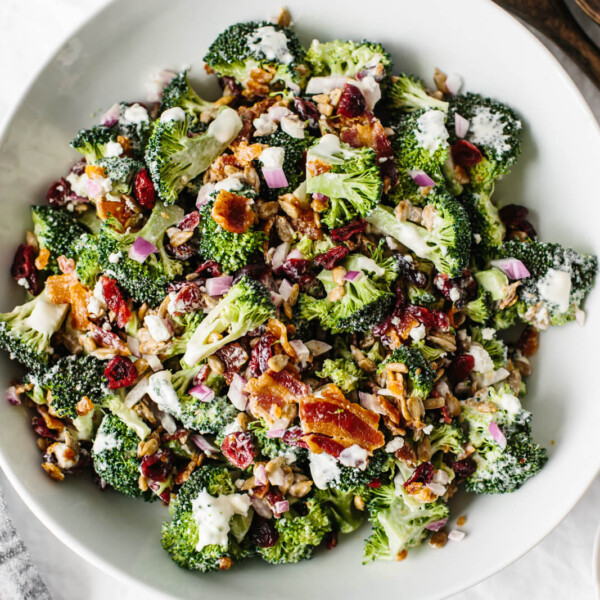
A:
{"points": [[110, 59]]}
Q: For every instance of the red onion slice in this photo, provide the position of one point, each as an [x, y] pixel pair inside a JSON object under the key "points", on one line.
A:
{"points": [[285, 289], [136, 393], [261, 506], [204, 444], [421, 178], [320, 85], [317, 347], [281, 507], [218, 286], [580, 317], [202, 392], [456, 535], [141, 249], [203, 193], [12, 397], [369, 401], [295, 254], [93, 188], [280, 255], [276, 298], [111, 116], [497, 434], [512, 267], [353, 275], [153, 361], [134, 345], [236, 392], [302, 352], [461, 126], [168, 423], [260, 475], [275, 178], [436, 525], [437, 488]]}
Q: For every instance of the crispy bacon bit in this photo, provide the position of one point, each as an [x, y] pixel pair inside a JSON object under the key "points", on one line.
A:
{"points": [[249, 113], [58, 288], [391, 411], [41, 262], [274, 395], [66, 265], [329, 413], [318, 443], [245, 153], [115, 301], [233, 357], [232, 212], [307, 224], [108, 339]]}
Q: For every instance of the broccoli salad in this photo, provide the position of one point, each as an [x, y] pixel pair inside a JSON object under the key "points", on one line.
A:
{"points": [[293, 309]]}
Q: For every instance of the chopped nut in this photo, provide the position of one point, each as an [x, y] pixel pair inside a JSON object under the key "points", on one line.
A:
{"points": [[320, 204], [244, 420], [402, 555], [287, 309], [334, 96], [289, 208], [416, 408], [278, 362], [294, 294], [284, 19], [401, 210], [359, 503], [461, 520], [142, 310], [147, 447], [438, 539], [299, 489], [284, 229], [84, 406], [424, 449], [31, 240], [461, 175], [214, 337], [337, 293], [338, 274], [428, 216], [266, 210], [439, 79], [178, 237], [453, 405], [216, 365], [444, 340], [53, 471], [321, 98], [396, 368], [433, 403], [325, 109], [225, 563]]}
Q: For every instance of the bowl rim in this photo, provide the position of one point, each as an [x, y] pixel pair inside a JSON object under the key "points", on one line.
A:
{"points": [[37, 508]]}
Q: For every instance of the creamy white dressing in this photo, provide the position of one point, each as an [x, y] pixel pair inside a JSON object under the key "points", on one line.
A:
{"points": [[508, 402], [369, 88], [482, 360], [395, 444], [431, 132], [272, 43], [172, 114], [157, 328], [162, 393], [264, 125], [226, 126], [231, 184], [105, 441], [488, 333], [45, 317], [555, 288], [487, 129], [329, 149], [354, 456], [272, 157], [212, 515], [78, 184], [418, 333], [323, 469], [135, 113], [113, 149]]}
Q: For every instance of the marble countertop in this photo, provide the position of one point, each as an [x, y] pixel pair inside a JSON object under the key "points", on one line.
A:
{"points": [[559, 567]]}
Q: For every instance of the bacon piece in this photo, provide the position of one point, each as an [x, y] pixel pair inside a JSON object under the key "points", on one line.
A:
{"points": [[79, 298], [232, 212], [273, 395], [391, 411], [329, 413], [318, 444]]}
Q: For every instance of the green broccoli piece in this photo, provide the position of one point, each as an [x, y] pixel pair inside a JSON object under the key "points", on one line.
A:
{"points": [[364, 304], [447, 438], [495, 129], [311, 248], [343, 372], [245, 306], [179, 93], [380, 468], [275, 447], [487, 228], [92, 142], [494, 346], [397, 526], [243, 47], [114, 456], [353, 183], [209, 490], [339, 506], [231, 250], [406, 93], [174, 158], [346, 58], [121, 170], [299, 534], [420, 374], [27, 330], [447, 245], [479, 309], [430, 354]]}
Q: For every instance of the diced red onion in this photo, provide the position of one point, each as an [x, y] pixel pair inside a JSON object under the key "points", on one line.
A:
{"points": [[275, 178], [456, 535], [317, 347], [369, 401], [153, 361], [281, 507], [355, 457], [285, 289], [218, 286], [141, 249], [497, 434], [437, 488], [261, 506], [136, 393], [134, 345], [204, 193], [111, 116], [236, 392], [512, 267], [202, 392], [302, 352], [275, 432], [260, 475], [353, 275], [204, 444], [436, 525], [168, 423], [454, 83], [280, 255], [276, 298], [421, 178], [295, 254], [580, 317], [157, 85], [320, 85], [461, 125], [12, 397], [93, 188]]}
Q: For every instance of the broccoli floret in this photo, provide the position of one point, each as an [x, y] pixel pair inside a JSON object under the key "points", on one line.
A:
{"points": [[121, 170], [396, 526], [420, 374], [346, 58], [299, 534], [494, 346], [429, 353], [487, 228], [26, 331], [231, 250], [447, 245], [245, 306], [341, 508], [179, 93], [209, 489], [365, 302], [421, 296], [560, 278], [495, 129], [56, 231], [108, 252], [449, 438], [379, 469], [352, 183], [480, 308], [243, 47], [343, 372], [406, 93], [174, 158], [293, 165], [114, 455], [275, 447], [311, 248], [92, 142]]}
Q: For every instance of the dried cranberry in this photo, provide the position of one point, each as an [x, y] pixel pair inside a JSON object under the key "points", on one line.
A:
{"points": [[458, 290], [157, 466], [343, 234], [263, 533], [261, 353], [460, 367], [58, 193], [330, 259], [166, 497], [331, 540], [189, 221], [238, 448], [446, 415], [307, 111], [464, 468], [144, 190], [528, 341], [374, 484], [120, 372], [409, 270], [512, 215], [209, 268], [202, 375], [233, 356], [115, 300], [23, 268], [230, 84], [352, 102], [187, 299], [39, 426], [528, 228], [293, 437], [294, 269], [255, 271], [465, 154], [422, 474], [184, 251], [79, 167], [273, 497]]}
